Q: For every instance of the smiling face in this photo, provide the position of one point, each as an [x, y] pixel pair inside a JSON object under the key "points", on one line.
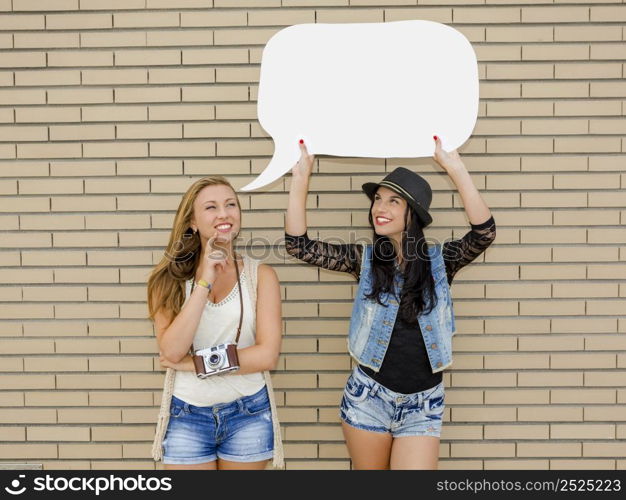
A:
{"points": [[216, 213], [388, 213]]}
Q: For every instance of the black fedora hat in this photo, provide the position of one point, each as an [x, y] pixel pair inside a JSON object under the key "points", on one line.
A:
{"points": [[412, 187]]}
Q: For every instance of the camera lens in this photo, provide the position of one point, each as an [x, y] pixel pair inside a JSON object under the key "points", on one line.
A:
{"points": [[215, 359]]}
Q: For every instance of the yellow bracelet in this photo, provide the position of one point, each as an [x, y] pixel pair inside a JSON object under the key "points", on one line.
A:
{"points": [[204, 284]]}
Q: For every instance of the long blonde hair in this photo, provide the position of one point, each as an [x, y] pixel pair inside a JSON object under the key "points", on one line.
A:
{"points": [[166, 285]]}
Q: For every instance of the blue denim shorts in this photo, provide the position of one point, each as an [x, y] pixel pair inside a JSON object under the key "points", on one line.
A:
{"points": [[370, 406], [239, 431]]}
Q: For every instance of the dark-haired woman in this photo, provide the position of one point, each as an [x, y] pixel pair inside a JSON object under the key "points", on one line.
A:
{"points": [[402, 319]]}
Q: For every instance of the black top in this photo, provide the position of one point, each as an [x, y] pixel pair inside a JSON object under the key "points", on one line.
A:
{"points": [[405, 368]]}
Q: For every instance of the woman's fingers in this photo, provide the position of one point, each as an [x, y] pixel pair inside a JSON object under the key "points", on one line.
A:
{"points": [[437, 146], [438, 149], [305, 157], [217, 257], [303, 154], [446, 159], [440, 155], [303, 150], [211, 248]]}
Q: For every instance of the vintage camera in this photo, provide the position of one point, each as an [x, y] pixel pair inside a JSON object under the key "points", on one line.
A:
{"points": [[217, 359]]}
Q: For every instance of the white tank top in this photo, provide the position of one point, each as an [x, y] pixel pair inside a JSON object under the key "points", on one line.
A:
{"points": [[218, 325]]}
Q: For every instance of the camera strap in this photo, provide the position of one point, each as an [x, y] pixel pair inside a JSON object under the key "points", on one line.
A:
{"points": [[240, 301]]}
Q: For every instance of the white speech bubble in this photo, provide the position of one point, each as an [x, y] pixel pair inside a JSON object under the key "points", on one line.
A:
{"points": [[374, 90]]}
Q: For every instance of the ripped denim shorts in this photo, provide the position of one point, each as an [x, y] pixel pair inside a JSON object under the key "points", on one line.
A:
{"points": [[239, 431], [370, 406]]}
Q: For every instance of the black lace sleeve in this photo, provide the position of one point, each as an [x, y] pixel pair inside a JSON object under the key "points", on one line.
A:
{"points": [[345, 258], [459, 253]]}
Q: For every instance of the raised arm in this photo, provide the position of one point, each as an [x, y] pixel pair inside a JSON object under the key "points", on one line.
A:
{"points": [[475, 207], [295, 223], [458, 253], [334, 257]]}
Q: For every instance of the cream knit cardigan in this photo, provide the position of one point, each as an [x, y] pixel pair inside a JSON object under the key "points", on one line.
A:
{"points": [[250, 268]]}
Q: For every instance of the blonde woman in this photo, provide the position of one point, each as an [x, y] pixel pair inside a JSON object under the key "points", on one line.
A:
{"points": [[199, 296]]}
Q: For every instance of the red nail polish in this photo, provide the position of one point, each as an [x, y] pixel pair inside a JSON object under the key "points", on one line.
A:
{"points": [[301, 141], [435, 137]]}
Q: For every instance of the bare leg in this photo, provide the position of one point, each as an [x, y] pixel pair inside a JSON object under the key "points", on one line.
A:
{"points": [[204, 466], [368, 450], [415, 452], [228, 465]]}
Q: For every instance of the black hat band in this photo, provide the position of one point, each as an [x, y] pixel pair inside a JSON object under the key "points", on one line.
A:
{"points": [[396, 187]]}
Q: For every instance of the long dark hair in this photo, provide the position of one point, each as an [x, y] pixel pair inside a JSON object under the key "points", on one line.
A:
{"points": [[418, 279]]}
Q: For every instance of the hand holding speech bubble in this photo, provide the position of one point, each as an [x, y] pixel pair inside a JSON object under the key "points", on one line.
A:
{"points": [[376, 90]]}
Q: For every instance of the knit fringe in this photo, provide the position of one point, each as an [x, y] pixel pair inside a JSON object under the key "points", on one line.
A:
{"points": [[164, 414], [251, 267]]}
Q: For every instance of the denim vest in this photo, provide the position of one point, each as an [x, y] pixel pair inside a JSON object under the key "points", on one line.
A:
{"points": [[372, 323]]}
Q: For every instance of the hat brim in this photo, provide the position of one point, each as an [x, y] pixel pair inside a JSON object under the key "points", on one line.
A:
{"points": [[370, 188]]}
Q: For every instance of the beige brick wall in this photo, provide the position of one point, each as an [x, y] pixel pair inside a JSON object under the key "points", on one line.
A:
{"points": [[110, 109]]}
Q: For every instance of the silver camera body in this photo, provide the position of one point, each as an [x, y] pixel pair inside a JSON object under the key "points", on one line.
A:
{"points": [[217, 359]]}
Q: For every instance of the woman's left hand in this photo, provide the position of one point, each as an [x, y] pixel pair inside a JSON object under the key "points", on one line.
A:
{"points": [[184, 365], [448, 160]]}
